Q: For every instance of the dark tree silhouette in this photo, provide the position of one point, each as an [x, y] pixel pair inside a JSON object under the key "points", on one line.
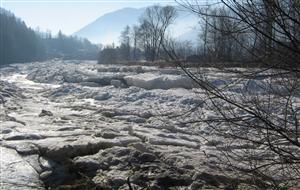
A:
{"points": [[18, 42], [22, 44]]}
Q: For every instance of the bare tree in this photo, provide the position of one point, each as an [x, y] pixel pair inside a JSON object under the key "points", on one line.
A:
{"points": [[124, 50], [135, 35], [256, 112], [153, 28]]}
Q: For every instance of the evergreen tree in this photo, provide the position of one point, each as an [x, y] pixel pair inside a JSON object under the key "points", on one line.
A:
{"points": [[18, 42]]}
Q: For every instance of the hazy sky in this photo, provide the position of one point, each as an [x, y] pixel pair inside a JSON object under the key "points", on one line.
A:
{"points": [[68, 15]]}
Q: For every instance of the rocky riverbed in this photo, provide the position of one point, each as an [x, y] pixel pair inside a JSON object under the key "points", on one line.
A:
{"points": [[79, 125]]}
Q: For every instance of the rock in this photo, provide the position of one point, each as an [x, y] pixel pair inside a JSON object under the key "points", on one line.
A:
{"points": [[46, 164], [117, 182], [16, 173], [89, 94], [219, 82], [72, 78], [90, 84], [255, 86], [108, 113], [107, 134], [131, 118], [5, 131], [126, 140], [170, 180], [213, 142], [22, 136], [196, 185], [45, 113], [45, 175], [188, 166], [33, 160], [118, 84], [102, 96], [154, 187], [139, 178], [119, 161], [191, 101], [88, 164], [104, 80], [57, 176], [9, 91], [108, 69], [134, 69], [23, 148], [83, 146], [9, 69], [65, 90], [140, 147], [147, 157], [210, 179], [66, 118], [110, 179], [174, 142], [99, 80], [10, 125]]}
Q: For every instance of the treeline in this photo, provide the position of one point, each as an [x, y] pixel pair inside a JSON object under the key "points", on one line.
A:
{"points": [[68, 47], [253, 33], [20, 43], [148, 39], [242, 34]]}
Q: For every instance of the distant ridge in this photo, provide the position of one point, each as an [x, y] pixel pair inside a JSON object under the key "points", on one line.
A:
{"points": [[107, 28]]}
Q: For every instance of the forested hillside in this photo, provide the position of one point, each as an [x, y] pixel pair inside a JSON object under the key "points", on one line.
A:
{"points": [[20, 43], [68, 47]]}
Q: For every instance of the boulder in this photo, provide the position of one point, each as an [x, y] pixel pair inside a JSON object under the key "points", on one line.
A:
{"points": [[118, 84], [89, 84], [22, 136], [45, 113], [16, 173], [169, 179], [102, 96], [88, 164]]}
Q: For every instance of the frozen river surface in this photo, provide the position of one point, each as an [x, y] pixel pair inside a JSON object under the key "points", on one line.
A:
{"points": [[79, 125]]}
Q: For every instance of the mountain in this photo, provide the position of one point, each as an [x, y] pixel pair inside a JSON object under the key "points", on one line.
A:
{"points": [[107, 28], [186, 27]]}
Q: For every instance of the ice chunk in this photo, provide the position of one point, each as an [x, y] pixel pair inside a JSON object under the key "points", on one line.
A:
{"points": [[153, 81]]}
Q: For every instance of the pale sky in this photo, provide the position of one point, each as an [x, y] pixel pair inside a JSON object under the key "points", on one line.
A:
{"points": [[68, 15]]}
